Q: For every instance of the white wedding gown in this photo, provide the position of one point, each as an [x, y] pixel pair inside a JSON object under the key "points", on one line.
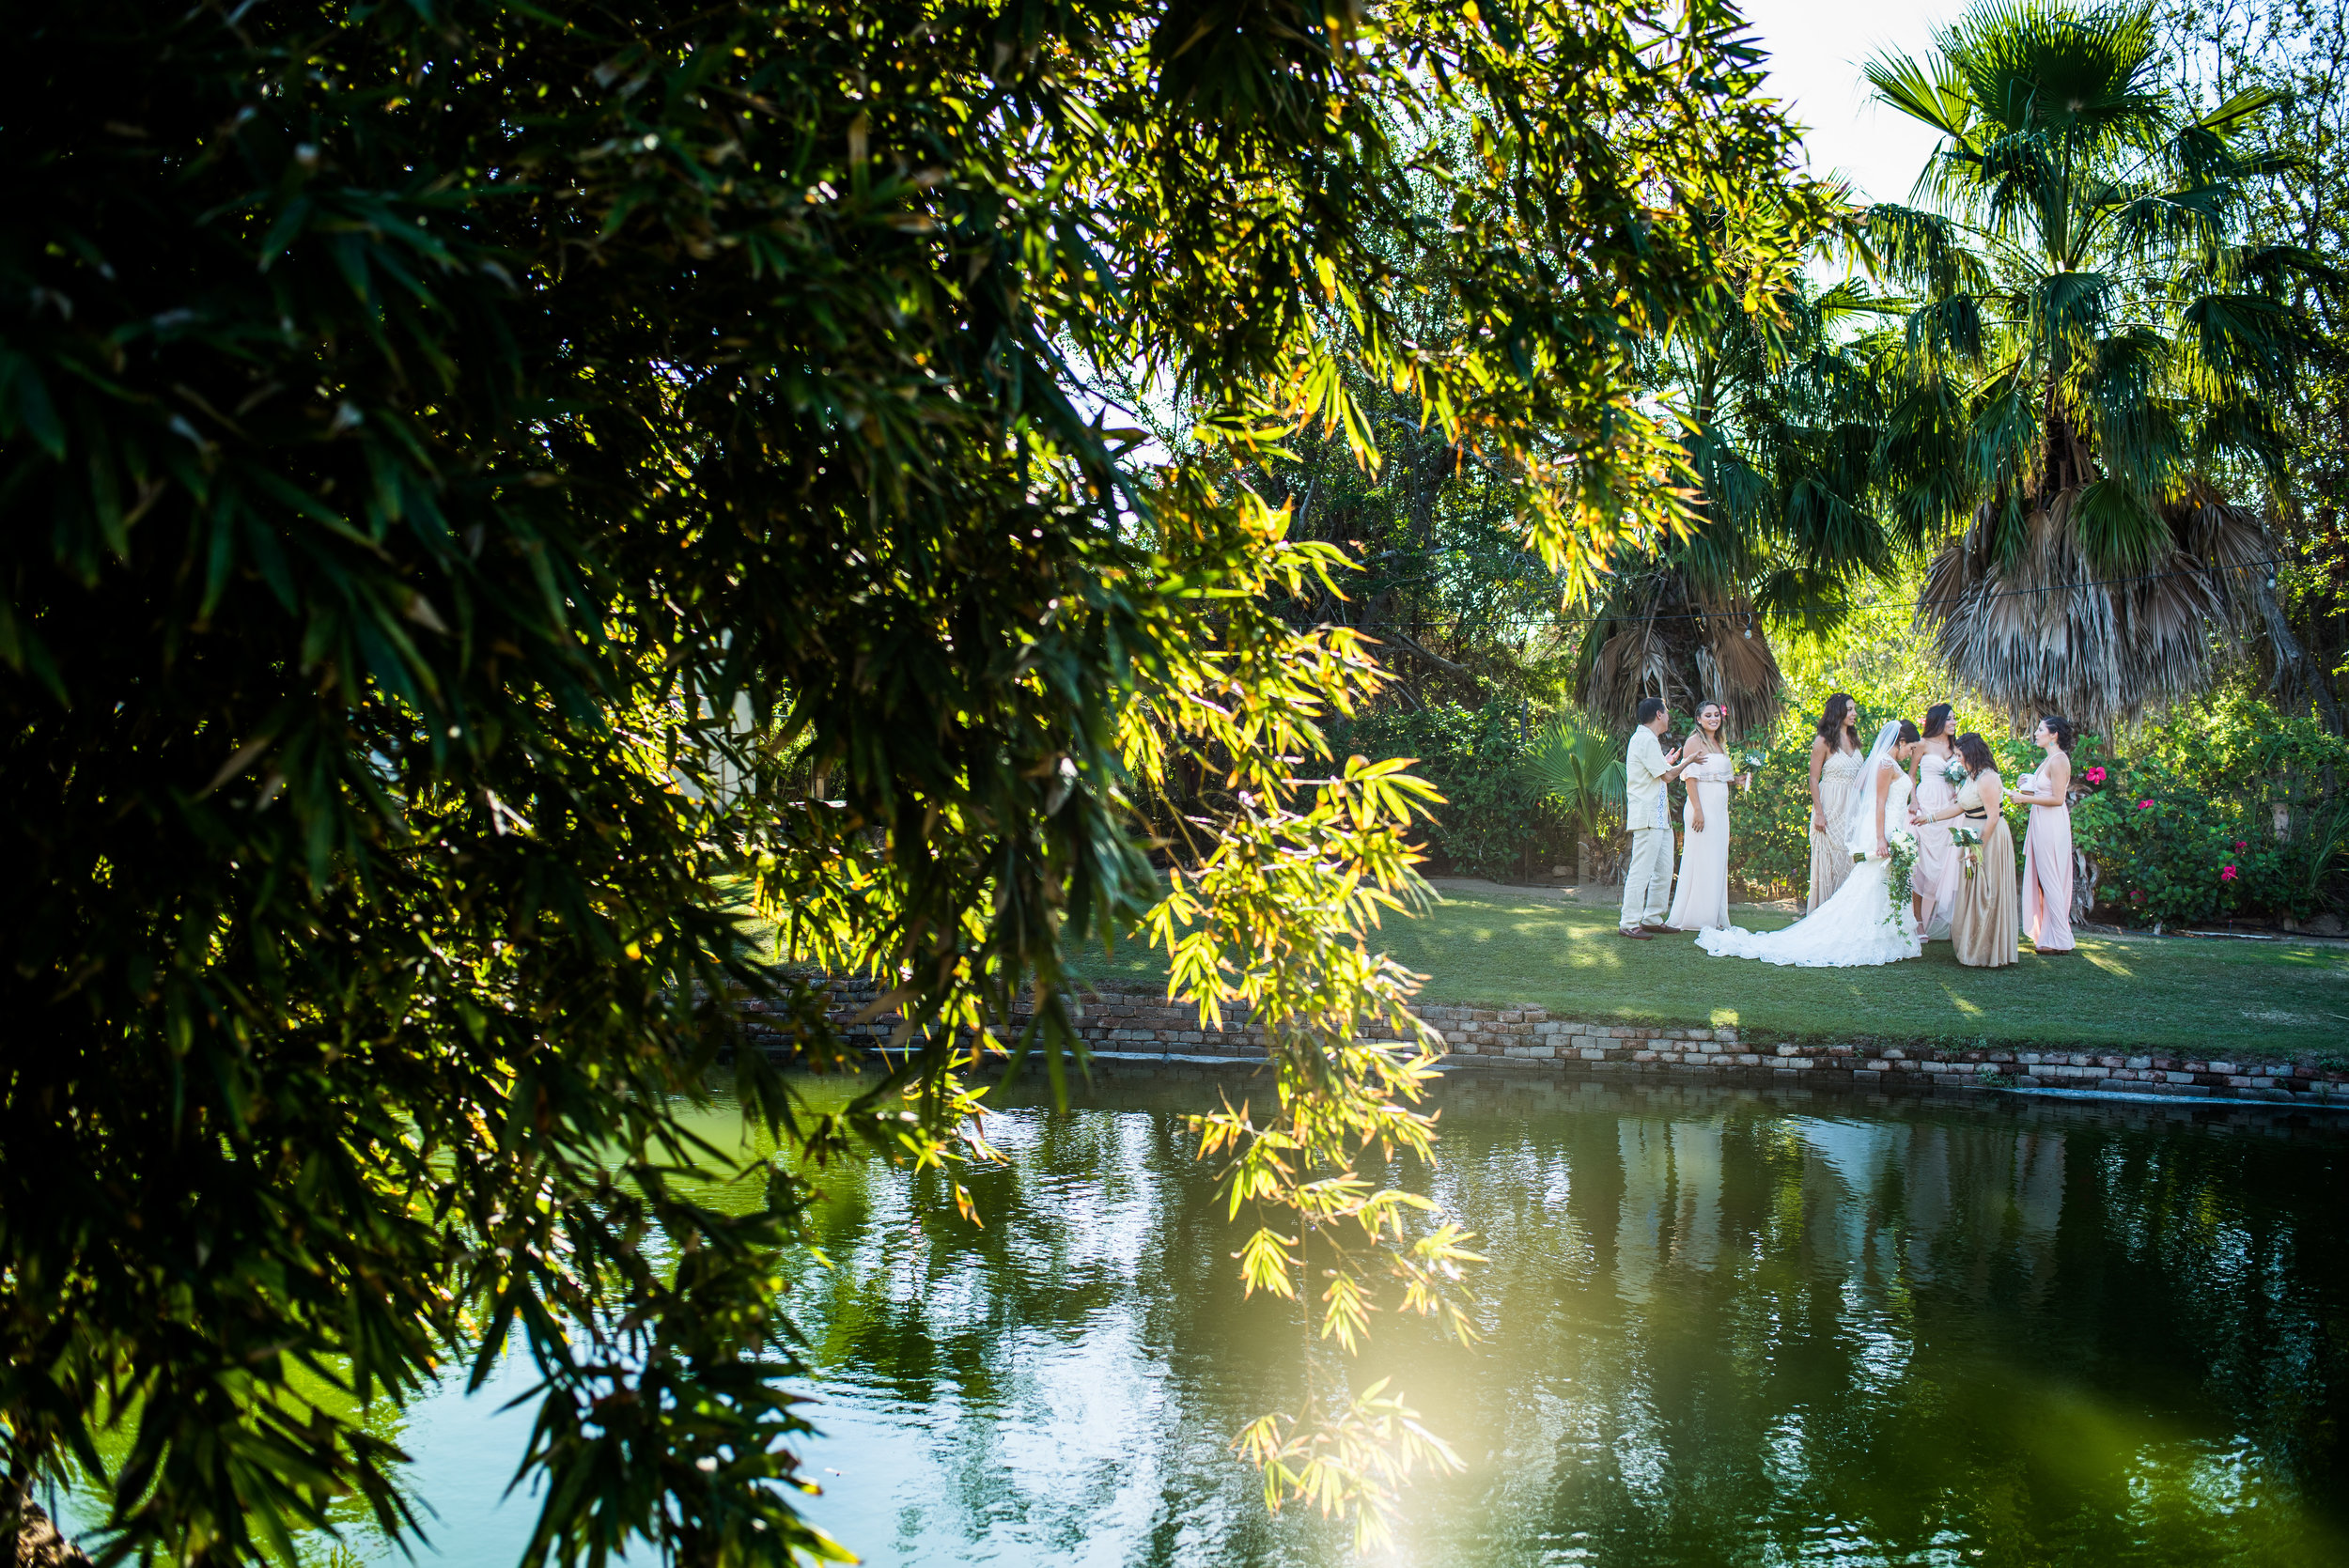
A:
{"points": [[1857, 926]]}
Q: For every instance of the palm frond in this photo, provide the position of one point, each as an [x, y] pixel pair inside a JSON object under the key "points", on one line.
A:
{"points": [[2085, 74], [1580, 771], [1922, 251], [2041, 631], [1934, 96]]}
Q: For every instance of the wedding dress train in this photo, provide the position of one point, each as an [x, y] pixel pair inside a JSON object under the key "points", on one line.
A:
{"points": [[1857, 925]]}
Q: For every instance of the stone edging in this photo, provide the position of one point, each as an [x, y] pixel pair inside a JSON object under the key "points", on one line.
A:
{"points": [[1529, 1039]]}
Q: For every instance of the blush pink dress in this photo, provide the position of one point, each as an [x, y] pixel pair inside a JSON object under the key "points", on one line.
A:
{"points": [[2047, 877], [1938, 869]]}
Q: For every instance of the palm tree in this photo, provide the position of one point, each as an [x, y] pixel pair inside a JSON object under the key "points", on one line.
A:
{"points": [[1779, 419], [2097, 368], [1582, 773]]}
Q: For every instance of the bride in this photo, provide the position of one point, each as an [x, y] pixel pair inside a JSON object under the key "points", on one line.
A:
{"points": [[1859, 924]]}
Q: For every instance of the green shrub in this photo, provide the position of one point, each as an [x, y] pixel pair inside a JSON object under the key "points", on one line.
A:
{"points": [[1769, 825], [2183, 827], [1494, 822]]}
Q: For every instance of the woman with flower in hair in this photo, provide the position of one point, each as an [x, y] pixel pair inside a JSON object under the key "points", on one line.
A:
{"points": [[2048, 843], [1700, 899]]}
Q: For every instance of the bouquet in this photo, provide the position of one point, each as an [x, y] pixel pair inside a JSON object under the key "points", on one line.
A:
{"points": [[1753, 762], [1902, 845], [1968, 841], [1955, 770]]}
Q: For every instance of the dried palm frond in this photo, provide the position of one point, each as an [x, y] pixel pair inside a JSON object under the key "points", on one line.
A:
{"points": [[1658, 636], [2039, 633]]}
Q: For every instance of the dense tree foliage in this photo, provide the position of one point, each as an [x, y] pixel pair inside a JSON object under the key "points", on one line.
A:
{"points": [[2297, 49], [459, 459], [2101, 353], [1781, 411]]}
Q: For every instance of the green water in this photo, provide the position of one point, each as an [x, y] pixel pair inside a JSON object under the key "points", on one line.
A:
{"points": [[1720, 1328]]}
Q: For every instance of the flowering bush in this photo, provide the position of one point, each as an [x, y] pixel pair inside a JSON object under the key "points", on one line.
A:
{"points": [[2183, 829], [2184, 855], [2202, 841]]}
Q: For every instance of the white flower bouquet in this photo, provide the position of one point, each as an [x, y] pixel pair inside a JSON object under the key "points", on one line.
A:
{"points": [[1955, 770], [1903, 844]]}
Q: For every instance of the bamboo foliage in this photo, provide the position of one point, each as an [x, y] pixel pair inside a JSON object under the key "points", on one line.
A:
{"points": [[419, 425]]}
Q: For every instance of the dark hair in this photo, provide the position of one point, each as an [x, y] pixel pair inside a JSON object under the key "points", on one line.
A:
{"points": [[1649, 708], [1976, 751], [1907, 735], [2061, 726], [1840, 715], [1936, 720]]}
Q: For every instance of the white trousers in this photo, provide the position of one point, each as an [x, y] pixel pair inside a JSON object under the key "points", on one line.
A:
{"points": [[1647, 878]]}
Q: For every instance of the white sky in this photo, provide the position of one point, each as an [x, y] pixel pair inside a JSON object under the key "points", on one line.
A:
{"points": [[1816, 47]]}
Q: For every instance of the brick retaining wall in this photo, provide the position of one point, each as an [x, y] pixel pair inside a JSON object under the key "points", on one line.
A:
{"points": [[1530, 1040]]}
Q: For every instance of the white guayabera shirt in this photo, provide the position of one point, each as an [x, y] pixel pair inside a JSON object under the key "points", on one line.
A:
{"points": [[1644, 780]]}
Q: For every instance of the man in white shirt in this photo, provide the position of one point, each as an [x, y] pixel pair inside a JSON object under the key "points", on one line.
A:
{"points": [[1647, 877]]}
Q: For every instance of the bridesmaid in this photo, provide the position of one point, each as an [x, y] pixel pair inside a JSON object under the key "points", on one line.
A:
{"points": [[1702, 899], [2048, 843], [1983, 923], [1834, 763], [1938, 872]]}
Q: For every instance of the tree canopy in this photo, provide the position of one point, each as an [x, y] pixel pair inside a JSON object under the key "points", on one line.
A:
{"points": [[2101, 358], [463, 463], [1781, 410]]}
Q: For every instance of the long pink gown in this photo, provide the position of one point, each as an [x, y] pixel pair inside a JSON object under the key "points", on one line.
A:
{"points": [[2047, 879], [1701, 902], [1939, 868]]}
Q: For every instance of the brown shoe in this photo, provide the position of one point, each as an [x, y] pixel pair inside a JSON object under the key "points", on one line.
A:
{"points": [[1627, 933], [1655, 928]]}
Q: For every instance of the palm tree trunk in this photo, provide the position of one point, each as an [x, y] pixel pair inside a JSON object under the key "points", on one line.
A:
{"points": [[29, 1540], [2297, 677]]}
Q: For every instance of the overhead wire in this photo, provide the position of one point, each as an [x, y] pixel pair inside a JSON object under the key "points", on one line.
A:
{"points": [[1748, 617]]}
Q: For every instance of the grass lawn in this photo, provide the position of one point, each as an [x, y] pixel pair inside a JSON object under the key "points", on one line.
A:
{"points": [[2187, 995]]}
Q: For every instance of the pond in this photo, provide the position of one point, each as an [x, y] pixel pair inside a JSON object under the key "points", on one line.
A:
{"points": [[1719, 1328]]}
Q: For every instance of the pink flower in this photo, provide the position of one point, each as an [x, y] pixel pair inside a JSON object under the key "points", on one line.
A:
{"points": [[2238, 846], [2144, 805], [2094, 775], [2226, 874]]}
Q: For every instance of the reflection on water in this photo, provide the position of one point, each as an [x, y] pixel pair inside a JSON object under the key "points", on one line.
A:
{"points": [[1721, 1327]]}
